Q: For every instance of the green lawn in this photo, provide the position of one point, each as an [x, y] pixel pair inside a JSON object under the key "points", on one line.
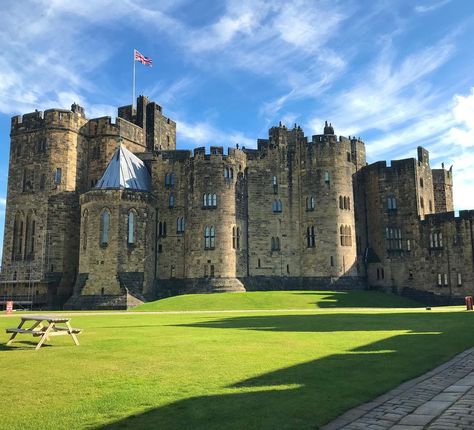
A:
{"points": [[278, 300], [244, 370]]}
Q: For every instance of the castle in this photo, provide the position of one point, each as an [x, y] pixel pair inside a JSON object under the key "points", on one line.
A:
{"points": [[104, 214]]}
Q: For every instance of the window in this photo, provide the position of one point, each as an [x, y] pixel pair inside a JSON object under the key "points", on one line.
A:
{"points": [[274, 181], [162, 229], [18, 237], [41, 146], [436, 240], [445, 279], [18, 150], [422, 203], [180, 224], [275, 244], [341, 202], [209, 238], [104, 227], [345, 234], [331, 261], [440, 279], [209, 200], [391, 203], [169, 180], [310, 203], [171, 201], [236, 237], [327, 177], [277, 206], [131, 227], [430, 204], [259, 263], [287, 269], [57, 176], [228, 172], [459, 279], [408, 245], [421, 182], [85, 227], [394, 238], [310, 237], [348, 156], [42, 181]]}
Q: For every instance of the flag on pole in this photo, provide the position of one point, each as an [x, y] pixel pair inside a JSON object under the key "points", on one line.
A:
{"points": [[142, 59]]}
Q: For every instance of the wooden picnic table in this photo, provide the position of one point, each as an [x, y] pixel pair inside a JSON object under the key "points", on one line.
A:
{"points": [[44, 327]]}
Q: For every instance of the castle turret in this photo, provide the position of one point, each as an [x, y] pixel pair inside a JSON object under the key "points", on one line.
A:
{"points": [[443, 189]]}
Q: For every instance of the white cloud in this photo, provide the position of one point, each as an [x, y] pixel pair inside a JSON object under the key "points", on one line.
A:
{"points": [[431, 6]]}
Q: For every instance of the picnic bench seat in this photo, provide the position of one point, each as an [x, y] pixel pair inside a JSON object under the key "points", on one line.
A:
{"points": [[44, 331]]}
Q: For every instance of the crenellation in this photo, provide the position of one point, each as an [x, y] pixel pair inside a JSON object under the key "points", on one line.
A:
{"points": [[294, 211]]}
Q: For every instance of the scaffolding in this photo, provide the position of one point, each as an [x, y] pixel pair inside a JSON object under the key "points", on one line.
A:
{"points": [[25, 275], [18, 280]]}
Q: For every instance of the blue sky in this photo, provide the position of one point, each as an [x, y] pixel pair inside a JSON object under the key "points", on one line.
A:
{"points": [[398, 73]]}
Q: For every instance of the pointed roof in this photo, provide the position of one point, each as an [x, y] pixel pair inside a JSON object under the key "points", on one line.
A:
{"points": [[125, 171]]}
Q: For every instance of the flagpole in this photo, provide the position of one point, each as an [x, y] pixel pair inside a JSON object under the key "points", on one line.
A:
{"points": [[133, 84]]}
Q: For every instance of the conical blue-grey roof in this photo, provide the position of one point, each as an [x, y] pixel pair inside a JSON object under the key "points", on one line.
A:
{"points": [[125, 171]]}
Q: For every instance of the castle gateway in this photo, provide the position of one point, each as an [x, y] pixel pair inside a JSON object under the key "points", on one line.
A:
{"points": [[106, 215]]}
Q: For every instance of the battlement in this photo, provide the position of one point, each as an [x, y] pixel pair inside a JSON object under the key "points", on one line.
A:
{"points": [[49, 118], [443, 217], [120, 128], [443, 176], [217, 152]]}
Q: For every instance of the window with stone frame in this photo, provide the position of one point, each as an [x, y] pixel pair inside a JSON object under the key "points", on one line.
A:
{"points": [[171, 201], [436, 240], [209, 237], [132, 225], [104, 227], [391, 203], [209, 201], [393, 235], [310, 237], [162, 229], [310, 203], [18, 232], [180, 225], [85, 228], [275, 244], [345, 234], [235, 237], [277, 206], [30, 237], [169, 180]]}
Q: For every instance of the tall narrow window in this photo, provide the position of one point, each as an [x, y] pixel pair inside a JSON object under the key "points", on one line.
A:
{"points": [[234, 238], [341, 202], [459, 279], [58, 176], [42, 181], [327, 177], [131, 228], [310, 237], [169, 180], [180, 225], [209, 238], [171, 201], [274, 181], [104, 227], [310, 203], [277, 206], [18, 237], [391, 203], [238, 238], [85, 227], [214, 200]]}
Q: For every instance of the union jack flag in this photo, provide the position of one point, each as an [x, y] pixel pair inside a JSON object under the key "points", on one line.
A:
{"points": [[144, 60]]}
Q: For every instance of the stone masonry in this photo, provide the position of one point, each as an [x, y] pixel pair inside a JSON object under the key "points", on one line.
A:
{"points": [[296, 212]]}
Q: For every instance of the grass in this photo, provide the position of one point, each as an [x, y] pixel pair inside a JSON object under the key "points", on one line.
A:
{"points": [[278, 300], [252, 370]]}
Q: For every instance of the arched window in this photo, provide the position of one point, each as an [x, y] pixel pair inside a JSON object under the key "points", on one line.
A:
{"points": [[180, 225], [349, 203], [18, 237], [104, 227], [310, 203], [310, 237], [341, 203], [171, 201], [214, 200], [85, 228], [327, 177], [341, 234], [226, 172], [131, 227]]}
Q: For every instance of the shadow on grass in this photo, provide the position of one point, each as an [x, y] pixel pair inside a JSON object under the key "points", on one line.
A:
{"points": [[307, 395], [358, 299], [19, 345]]}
